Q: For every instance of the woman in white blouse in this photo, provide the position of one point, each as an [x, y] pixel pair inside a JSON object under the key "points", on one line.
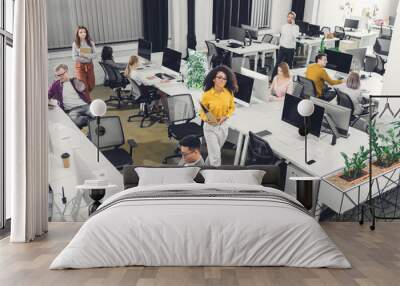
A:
{"points": [[283, 82]]}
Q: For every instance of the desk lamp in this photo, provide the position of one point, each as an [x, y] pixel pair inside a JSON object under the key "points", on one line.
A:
{"points": [[306, 109], [98, 108]]}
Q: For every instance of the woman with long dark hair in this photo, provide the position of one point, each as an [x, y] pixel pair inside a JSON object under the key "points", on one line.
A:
{"points": [[83, 53], [217, 104], [108, 58]]}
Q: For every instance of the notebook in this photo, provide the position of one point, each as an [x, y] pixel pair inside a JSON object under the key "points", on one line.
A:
{"points": [[85, 51], [210, 117]]}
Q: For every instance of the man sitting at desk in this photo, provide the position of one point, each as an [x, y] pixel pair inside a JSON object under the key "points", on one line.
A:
{"points": [[317, 73], [71, 95], [190, 150]]}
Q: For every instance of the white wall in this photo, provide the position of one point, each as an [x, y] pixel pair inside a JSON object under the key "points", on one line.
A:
{"points": [[391, 78], [331, 13], [279, 13], [309, 10], [203, 23]]}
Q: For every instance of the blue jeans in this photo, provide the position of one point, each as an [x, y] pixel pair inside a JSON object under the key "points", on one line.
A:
{"points": [[80, 115]]}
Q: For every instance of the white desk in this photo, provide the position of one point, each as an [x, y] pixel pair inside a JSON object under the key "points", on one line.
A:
{"points": [[365, 39], [64, 136], [248, 51], [313, 44], [284, 138]]}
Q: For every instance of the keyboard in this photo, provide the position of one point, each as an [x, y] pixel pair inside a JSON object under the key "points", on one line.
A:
{"points": [[234, 45], [164, 76]]}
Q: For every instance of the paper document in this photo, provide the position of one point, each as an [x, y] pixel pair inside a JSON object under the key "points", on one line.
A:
{"points": [[85, 51], [210, 117]]}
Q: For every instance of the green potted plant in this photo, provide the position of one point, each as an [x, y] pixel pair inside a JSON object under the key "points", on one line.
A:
{"points": [[196, 69], [354, 166], [385, 148]]}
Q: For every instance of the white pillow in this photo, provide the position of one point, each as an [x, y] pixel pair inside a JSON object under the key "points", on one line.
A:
{"points": [[248, 177], [166, 176]]}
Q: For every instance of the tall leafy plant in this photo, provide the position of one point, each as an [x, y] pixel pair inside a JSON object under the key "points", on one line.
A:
{"points": [[385, 147], [196, 69], [355, 165]]}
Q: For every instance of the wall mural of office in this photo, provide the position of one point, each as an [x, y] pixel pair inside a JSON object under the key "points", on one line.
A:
{"points": [[131, 96]]}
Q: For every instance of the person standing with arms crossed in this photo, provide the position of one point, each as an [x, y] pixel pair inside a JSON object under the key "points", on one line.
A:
{"points": [[218, 105], [83, 53], [287, 42]]}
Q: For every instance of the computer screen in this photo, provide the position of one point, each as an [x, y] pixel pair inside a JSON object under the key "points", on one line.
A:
{"points": [[260, 85], [391, 20], [350, 23], [245, 84], [313, 30], [171, 59], [340, 115], [292, 116], [338, 61], [237, 33], [303, 26], [144, 49]]}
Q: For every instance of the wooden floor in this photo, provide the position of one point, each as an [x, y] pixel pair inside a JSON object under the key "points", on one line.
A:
{"points": [[375, 257]]}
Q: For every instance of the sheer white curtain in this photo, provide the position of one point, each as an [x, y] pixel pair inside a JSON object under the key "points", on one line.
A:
{"points": [[178, 25], [26, 132]]}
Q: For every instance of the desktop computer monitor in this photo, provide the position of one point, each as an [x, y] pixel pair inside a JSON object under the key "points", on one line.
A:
{"points": [[245, 84], [260, 85], [171, 59], [382, 46], [338, 61], [144, 49], [391, 20], [351, 23], [357, 64], [340, 115], [303, 26], [313, 30], [237, 33], [291, 115]]}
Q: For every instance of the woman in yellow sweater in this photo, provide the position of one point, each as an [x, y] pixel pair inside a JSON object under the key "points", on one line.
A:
{"points": [[218, 105]]}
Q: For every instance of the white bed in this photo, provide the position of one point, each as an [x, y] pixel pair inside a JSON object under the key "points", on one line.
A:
{"points": [[185, 230]]}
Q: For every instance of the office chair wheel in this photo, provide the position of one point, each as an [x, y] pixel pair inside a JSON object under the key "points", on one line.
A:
{"points": [[361, 222], [372, 227]]}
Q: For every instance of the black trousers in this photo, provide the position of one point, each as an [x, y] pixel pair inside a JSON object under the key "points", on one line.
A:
{"points": [[284, 55]]}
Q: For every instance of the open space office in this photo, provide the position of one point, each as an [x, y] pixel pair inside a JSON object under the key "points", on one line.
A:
{"points": [[138, 135]]}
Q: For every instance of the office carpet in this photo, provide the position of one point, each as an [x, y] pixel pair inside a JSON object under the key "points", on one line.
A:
{"points": [[153, 142]]}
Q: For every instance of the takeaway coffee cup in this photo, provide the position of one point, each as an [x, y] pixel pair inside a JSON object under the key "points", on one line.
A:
{"points": [[65, 158]]}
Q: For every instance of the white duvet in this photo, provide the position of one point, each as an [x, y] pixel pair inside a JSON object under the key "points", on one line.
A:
{"points": [[200, 231]]}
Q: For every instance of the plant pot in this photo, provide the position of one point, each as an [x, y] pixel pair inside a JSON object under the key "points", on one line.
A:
{"points": [[383, 164], [344, 183]]}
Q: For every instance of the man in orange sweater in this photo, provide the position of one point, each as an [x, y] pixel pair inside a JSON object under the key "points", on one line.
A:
{"points": [[317, 73]]}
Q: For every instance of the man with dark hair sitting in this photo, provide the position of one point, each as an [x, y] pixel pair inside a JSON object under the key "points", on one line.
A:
{"points": [[190, 150], [317, 73], [71, 95]]}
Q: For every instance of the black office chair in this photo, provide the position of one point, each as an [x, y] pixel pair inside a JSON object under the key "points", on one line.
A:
{"points": [[267, 38], [325, 30], [385, 32], [380, 65], [215, 56], [116, 81], [370, 64], [308, 87], [339, 33], [180, 114], [298, 89], [111, 140], [343, 99], [382, 46], [260, 153], [145, 96]]}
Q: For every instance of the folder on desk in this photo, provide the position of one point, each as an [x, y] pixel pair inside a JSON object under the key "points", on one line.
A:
{"points": [[210, 117]]}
